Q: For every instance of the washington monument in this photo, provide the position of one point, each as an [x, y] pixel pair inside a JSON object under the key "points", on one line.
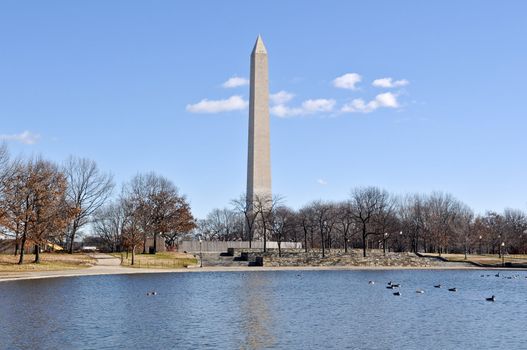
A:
{"points": [[259, 157]]}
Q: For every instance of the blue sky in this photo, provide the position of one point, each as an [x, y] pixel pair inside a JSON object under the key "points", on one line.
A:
{"points": [[115, 81]]}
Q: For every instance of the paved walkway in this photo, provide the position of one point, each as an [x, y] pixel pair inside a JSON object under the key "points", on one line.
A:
{"points": [[105, 265], [110, 265], [105, 259]]}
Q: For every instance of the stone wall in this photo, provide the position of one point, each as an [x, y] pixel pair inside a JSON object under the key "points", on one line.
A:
{"points": [[221, 246]]}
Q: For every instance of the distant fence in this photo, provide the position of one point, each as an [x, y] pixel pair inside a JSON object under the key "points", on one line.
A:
{"points": [[221, 246]]}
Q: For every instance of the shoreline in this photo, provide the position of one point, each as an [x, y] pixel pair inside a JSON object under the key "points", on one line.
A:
{"points": [[119, 270]]}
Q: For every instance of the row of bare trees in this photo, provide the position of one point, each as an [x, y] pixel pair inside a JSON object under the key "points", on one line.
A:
{"points": [[149, 206], [42, 203], [34, 202], [373, 218]]}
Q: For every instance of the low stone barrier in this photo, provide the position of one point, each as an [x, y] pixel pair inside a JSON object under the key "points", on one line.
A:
{"points": [[223, 246]]}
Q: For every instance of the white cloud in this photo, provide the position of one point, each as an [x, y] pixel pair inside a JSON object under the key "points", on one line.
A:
{"points": [[358, 105], [281, 97], [347, 81], [389, 83], [26, 137], [322, 182], [233, 103], [285, 111], [235, 82], [308, 107], [318, 105]]}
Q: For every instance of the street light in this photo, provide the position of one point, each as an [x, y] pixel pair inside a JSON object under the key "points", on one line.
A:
{"points": [[480, 244], [502, 254], [385, 238], [384, 243], [200, 254]]}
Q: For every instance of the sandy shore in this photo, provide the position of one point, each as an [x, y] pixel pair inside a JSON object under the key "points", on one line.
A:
{"points": [[110, 266]]}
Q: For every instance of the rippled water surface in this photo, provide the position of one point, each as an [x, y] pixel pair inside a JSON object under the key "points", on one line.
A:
{"points": [[259, 310]]}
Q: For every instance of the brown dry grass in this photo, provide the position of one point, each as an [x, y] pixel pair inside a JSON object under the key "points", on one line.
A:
{"points": [[49, 262], [162, 260], [491, 259]]}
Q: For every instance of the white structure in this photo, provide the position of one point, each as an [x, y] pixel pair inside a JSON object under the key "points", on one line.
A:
{"points": [[259, 157]]}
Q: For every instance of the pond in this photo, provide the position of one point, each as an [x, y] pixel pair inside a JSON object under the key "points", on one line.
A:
{"points": [[267, 310]]}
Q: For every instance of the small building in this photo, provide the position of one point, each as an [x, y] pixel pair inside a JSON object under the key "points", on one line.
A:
{"points": [[160, 244]]}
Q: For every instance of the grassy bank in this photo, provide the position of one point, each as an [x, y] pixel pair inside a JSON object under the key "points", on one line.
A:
{"points": [[162, 260], [49, 262], [484, 259]]}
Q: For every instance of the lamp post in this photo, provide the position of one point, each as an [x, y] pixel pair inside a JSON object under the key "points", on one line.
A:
{"points": [[480, 244], [385, 239], [323, 238], [499, 239], [502, 246], [200, 254]]}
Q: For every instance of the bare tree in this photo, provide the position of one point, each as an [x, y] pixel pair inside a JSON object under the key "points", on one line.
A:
{"points": [[463, 228], [132, 225], [222, 224], [265, 206], [324, 217], [515, 229], [306, 219], [37, 207], [368, 202], [245, 207], [159, 207], [88, 190], [282, 225], [345, 222], [411, 214], [108, 224]]}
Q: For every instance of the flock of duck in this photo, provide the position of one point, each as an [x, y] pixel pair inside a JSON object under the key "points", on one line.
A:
{"points": [[396, 286]]}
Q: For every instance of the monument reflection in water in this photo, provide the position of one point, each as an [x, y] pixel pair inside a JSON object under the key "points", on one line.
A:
{"points": [[256, 315]]}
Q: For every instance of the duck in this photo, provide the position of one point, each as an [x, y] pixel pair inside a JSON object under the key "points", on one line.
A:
{"points": [[497, 275], [396, 285], [371, 282], [397, 293], [151, 293], [437, 286], [492, 298], [420, 291], [389, 287], [452, 289]]}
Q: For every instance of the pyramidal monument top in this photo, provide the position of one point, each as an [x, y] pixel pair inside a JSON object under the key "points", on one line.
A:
{"points": [[259, 46]]}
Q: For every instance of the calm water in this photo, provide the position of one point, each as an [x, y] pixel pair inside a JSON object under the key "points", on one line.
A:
{"points": [[258, 310]]}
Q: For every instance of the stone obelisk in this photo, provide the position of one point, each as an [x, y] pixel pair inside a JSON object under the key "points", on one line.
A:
{"points": [[259, 157]]}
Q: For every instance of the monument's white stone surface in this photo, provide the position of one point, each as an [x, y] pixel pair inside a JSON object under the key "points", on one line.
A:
{"points": [[259, 157]]}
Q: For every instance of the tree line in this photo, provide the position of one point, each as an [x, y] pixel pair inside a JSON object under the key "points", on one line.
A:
{"points": [[43, 203], [372, 218]]}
